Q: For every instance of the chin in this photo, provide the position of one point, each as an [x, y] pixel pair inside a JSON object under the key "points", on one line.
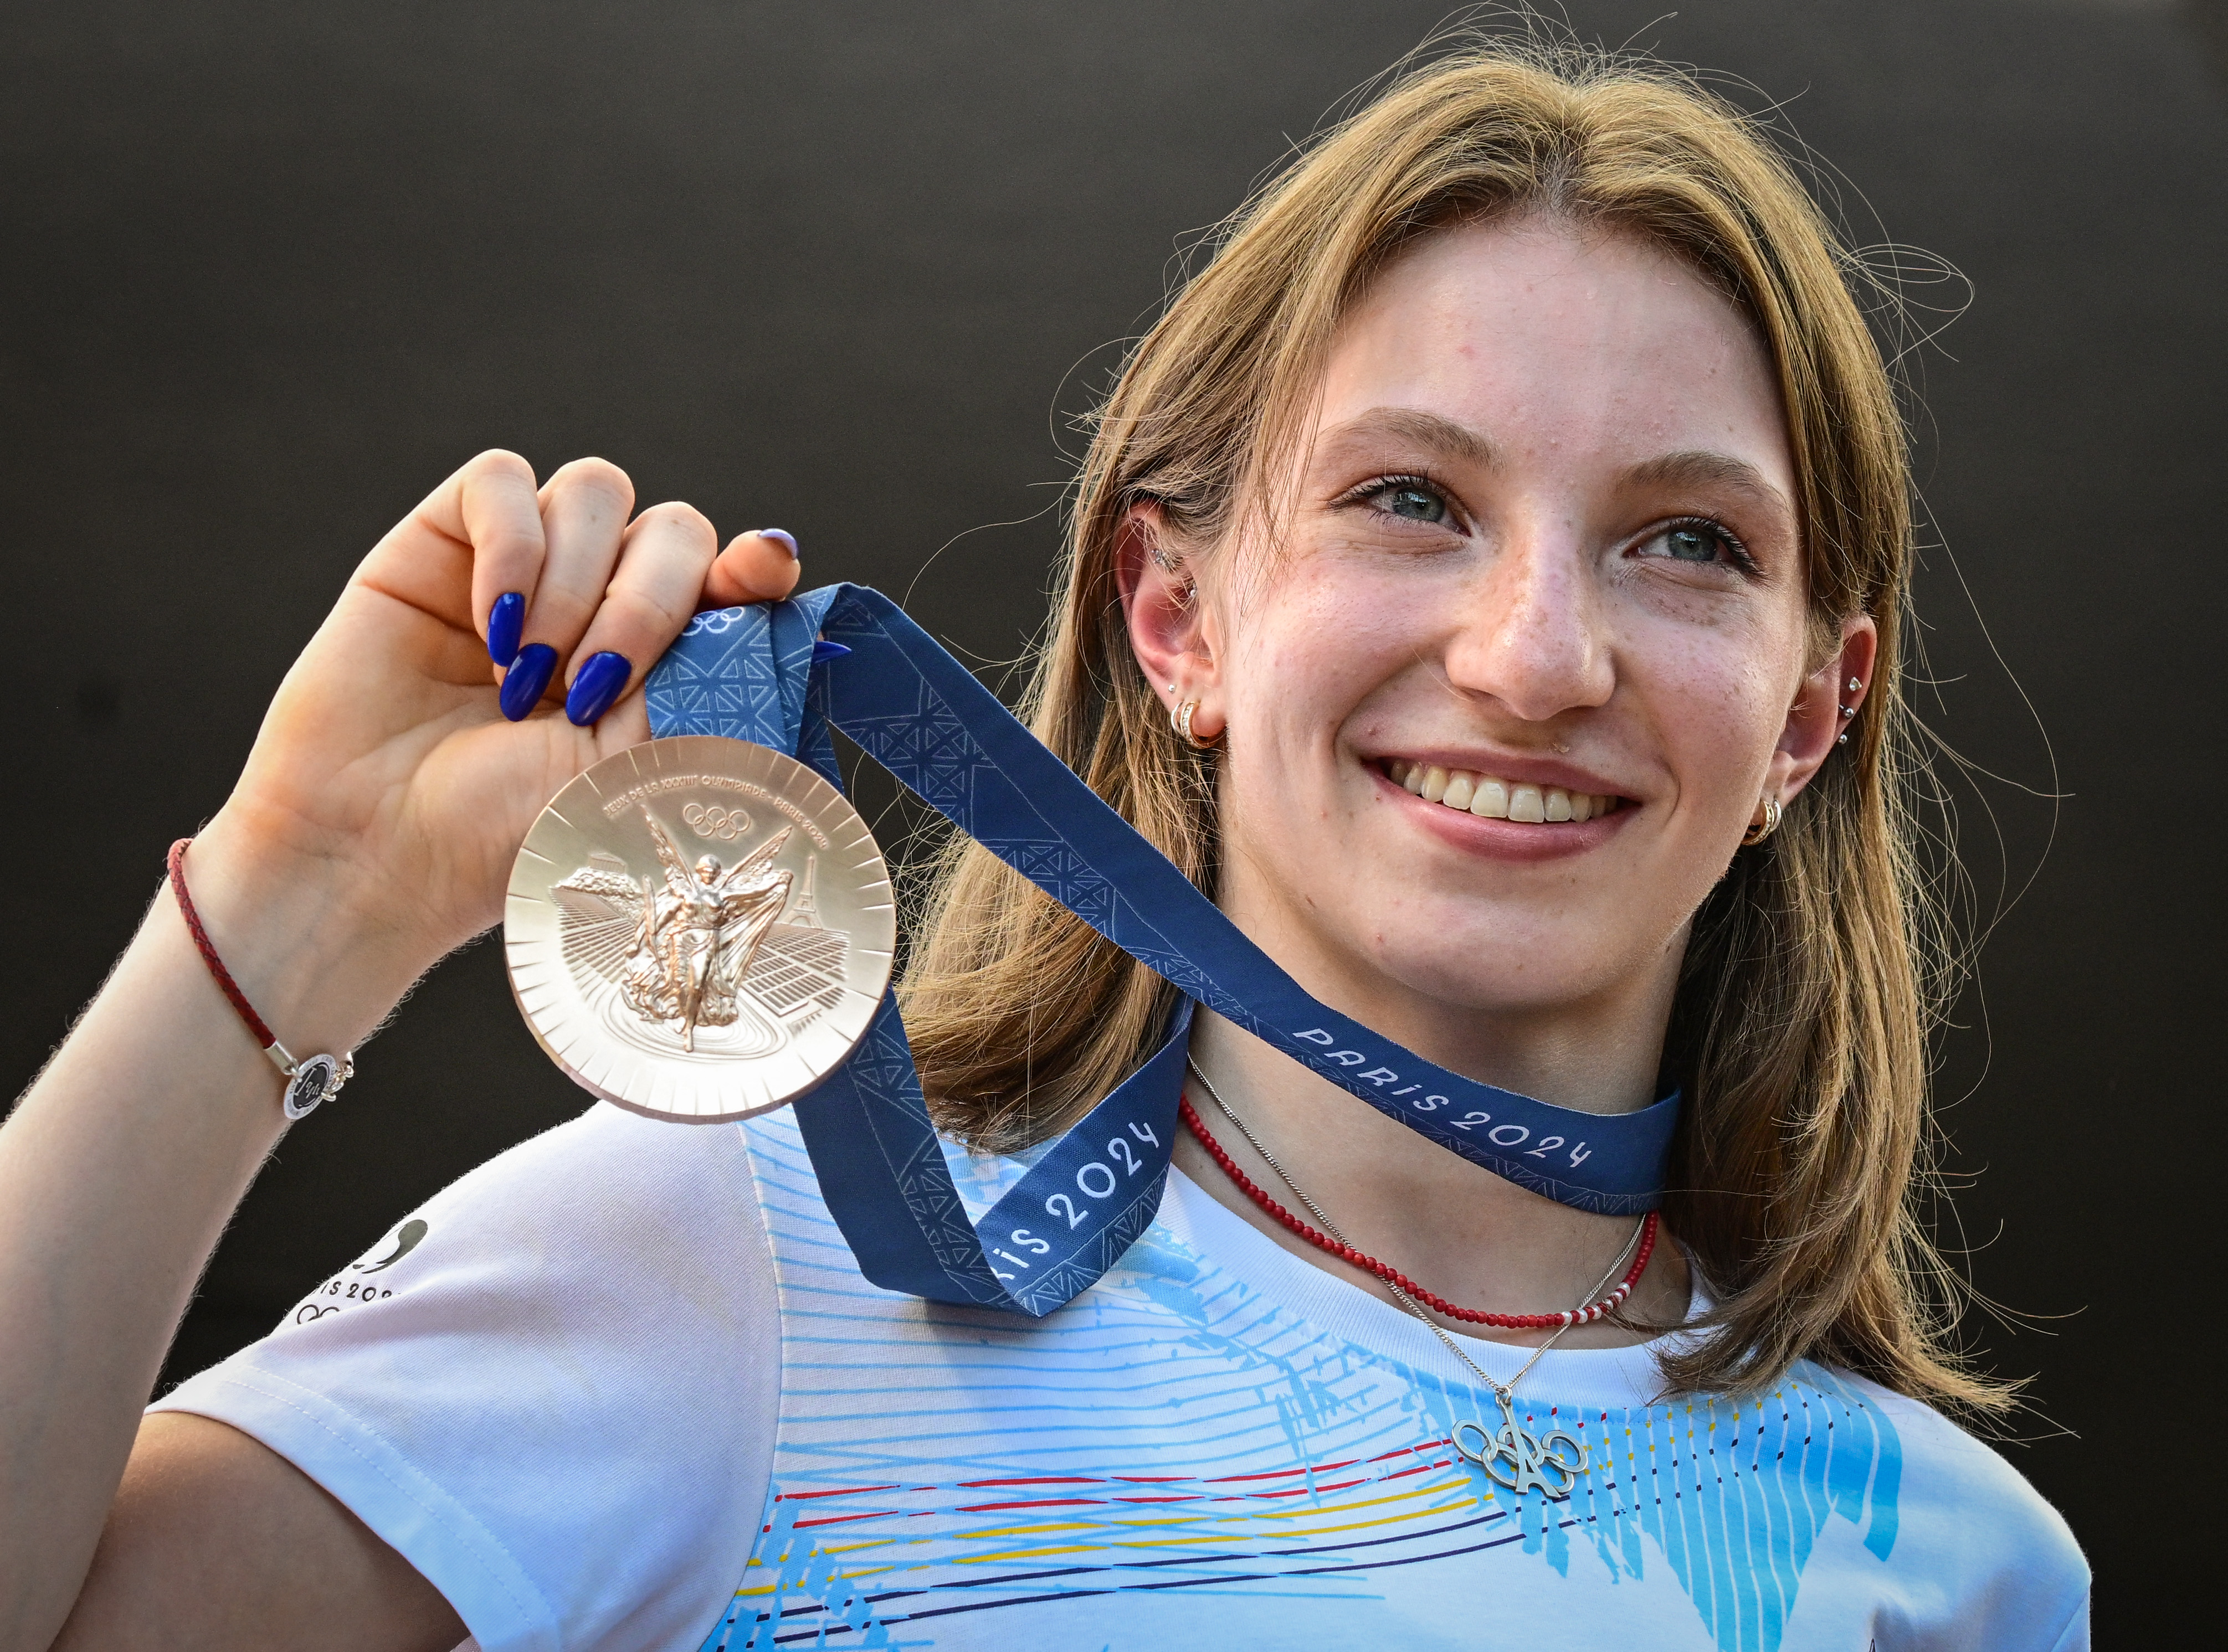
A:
{"points": [[1492, 966]]}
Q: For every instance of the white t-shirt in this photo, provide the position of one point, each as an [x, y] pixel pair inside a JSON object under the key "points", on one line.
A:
{"points": [[622, 1389]]}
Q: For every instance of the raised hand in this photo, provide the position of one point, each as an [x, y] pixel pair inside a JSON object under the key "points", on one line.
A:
{"points": [[399, 767], [373, 829]]}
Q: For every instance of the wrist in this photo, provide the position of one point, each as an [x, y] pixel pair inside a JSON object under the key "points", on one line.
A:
{"points": [[300, 934]]}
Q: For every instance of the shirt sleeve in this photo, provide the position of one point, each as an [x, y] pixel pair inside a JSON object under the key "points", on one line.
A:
{"points": [[1980, 1557], [552, 1389]]}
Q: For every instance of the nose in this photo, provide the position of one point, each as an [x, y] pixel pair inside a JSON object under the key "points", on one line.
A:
{"points": [[1533, 633]]}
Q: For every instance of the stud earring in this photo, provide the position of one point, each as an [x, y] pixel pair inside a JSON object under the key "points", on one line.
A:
{"points": [[1855, 683], [1769, 813]]}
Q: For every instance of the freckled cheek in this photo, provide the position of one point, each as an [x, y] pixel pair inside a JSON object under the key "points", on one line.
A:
{"points": [[1296, 683], [1281, 716], [1721, 726]]}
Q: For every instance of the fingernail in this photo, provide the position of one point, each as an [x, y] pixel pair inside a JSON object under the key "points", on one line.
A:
{"points": [[823, 649], [529, 674], [781, 537], [505, 621], [596, 685]]}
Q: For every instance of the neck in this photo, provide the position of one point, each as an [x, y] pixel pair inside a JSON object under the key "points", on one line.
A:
{"points": [[1596, 1048], [1454, 1228]]}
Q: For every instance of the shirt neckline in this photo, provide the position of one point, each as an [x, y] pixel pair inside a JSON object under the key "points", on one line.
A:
{"points": [[1602, 1377]]}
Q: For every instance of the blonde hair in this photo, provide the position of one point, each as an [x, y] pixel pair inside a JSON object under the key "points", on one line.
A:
{"points": [[1814, 968]]}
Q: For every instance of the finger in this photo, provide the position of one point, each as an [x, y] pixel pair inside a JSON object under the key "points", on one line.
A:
{"points": [[760, 567], [502, 523], [476, 535], [663, 562], [584, 506]]}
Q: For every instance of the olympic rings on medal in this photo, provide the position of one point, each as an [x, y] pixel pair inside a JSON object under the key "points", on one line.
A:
{"points": [[710, 820]]}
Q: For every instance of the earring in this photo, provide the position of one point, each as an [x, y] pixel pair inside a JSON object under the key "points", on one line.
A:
{"points": [[1848, 712], [1182, 720], [1759, 829]]}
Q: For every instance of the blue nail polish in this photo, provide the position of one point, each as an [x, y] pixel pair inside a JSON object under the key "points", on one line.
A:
{"points": [[596, 685], [506, 619], [786, 540], [823, 649], [529, 676]]}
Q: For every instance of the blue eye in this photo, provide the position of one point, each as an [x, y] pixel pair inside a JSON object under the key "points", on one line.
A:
{"points": [[1413, 500], [1695, 542]]}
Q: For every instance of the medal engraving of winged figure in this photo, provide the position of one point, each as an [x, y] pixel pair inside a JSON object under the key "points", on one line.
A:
{"points": [[691, 949]]}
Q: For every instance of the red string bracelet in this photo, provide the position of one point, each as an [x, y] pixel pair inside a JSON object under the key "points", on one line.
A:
{"points": [[1393, 1276], [309, 1082]]}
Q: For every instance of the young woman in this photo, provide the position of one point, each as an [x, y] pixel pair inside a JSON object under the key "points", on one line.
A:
{"points": [[1486, 584]]}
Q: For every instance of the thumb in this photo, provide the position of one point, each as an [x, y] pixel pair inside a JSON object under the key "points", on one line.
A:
{"points": [[760, 567]]}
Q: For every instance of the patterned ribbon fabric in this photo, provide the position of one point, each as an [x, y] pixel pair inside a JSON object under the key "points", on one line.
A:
{"points": [[750, 673]]}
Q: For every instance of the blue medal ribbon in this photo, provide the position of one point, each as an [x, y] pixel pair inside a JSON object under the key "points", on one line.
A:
{"points": [[765, 674]]}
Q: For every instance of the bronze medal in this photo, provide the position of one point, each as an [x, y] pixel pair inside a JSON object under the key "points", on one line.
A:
{"points": [[699, 929]]}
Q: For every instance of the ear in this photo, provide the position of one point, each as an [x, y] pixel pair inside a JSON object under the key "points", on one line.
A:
{"points": [[1174, 634], [1815, 722]]}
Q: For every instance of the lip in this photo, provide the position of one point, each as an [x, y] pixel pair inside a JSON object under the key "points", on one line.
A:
{"points": [[1528, 771], [1510, 840]]}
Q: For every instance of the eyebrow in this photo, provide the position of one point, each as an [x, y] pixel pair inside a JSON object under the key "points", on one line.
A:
{"points": [[1413, 425], [1703, 469]]}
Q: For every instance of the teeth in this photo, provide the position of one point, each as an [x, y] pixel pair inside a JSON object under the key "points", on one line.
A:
{"points": [[1497, 800]]}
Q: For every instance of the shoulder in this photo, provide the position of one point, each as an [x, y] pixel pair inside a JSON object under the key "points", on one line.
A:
{"points": [[567, 1361], [1971, 1536], [1942, 1462]]}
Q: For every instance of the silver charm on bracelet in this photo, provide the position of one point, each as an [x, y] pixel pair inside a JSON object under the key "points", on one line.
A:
{"points": [[312, 1082]]}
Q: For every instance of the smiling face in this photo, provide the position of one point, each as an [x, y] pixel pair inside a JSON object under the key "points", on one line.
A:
{"points": [[1527, 652]]}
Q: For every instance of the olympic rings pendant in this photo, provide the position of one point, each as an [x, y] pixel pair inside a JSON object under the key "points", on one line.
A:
{"points": [[699, 929], [1551, 1465]]}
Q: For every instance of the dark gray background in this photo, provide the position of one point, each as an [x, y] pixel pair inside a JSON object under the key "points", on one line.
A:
{"points": [[267, 272]]}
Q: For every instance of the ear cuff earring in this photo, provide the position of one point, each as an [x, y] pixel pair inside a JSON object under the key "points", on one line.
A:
{"points": [[1183, 722], [1179, 714], [1759, 829]]}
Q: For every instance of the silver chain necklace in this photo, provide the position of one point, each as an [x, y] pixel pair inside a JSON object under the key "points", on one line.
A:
{"points": [[1513, 1455]]}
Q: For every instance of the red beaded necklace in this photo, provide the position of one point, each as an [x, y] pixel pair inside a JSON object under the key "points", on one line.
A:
{"points": [[1401, 1281]]}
